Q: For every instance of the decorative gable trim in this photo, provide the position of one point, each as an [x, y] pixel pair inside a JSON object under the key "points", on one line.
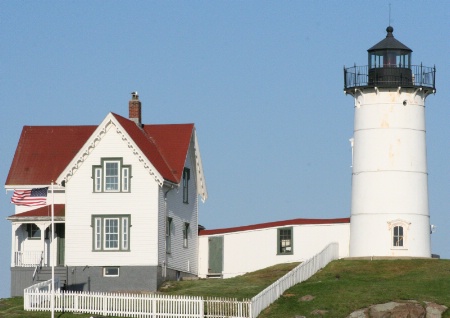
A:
{"points": [[108, 123], [201, 184]]}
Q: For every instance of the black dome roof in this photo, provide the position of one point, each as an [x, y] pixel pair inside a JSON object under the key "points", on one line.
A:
{"points": [[389, 43]]}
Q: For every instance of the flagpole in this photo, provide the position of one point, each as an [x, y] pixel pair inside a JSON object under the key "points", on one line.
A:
{"points": [[52, 254]]}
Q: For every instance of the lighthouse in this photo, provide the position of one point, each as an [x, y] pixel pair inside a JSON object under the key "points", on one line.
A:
{"points": [[389, 203]]}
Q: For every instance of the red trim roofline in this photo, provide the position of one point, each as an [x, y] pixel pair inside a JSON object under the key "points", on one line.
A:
{"points": [[274, 224]]}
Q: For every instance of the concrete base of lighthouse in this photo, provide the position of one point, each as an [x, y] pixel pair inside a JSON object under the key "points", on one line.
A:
{"points": [[377, 240]]}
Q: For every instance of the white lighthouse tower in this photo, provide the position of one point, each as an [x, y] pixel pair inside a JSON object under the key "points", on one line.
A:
{"points": [[389, 208]]}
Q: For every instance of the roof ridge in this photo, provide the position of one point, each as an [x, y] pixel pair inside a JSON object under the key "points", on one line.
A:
{"points": [[150, 139]]}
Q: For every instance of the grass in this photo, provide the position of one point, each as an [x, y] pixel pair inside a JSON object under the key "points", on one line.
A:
{"points": [[339, 289], [241, 287], [347, 285]]}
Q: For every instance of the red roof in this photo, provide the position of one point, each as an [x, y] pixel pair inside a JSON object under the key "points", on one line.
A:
{"points": [[43, 152], [45, 211], [274, 224]]}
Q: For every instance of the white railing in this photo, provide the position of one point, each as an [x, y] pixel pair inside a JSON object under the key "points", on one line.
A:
{"points": [[299, 274], [28, 258], [37, 298]]}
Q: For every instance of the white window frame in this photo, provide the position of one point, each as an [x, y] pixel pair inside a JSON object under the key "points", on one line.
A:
{"points": [[114, 186], [125, 179], [186, 234], [125, 233], [33, 231], [186, 177], [98, 185], [105, 271], [395, 224], [101, 233], [168, 235], [111, 233]]}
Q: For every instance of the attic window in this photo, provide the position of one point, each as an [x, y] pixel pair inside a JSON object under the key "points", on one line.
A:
{"points": [[186, 177], [111, 176]]}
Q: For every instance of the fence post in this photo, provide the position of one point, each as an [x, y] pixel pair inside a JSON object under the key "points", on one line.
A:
{"points": [[202, 307]]}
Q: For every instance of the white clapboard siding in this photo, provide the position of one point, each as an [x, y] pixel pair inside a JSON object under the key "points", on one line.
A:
{"points": [[141, 203], [184, 258], [257, 249]]}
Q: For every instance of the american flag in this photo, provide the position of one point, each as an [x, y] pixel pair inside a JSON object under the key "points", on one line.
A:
{"points": [[33, 197]]}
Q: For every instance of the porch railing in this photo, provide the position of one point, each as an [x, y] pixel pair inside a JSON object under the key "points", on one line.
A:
{"points": [[28, 259]]}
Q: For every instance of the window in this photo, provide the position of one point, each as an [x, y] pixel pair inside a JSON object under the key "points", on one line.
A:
{"points": [[398, 236], [110, 271], [111, 232], [168, 235], [111, 176], [399, 233], [34, 232], [185, 234], [285, 241], [186, 177]]}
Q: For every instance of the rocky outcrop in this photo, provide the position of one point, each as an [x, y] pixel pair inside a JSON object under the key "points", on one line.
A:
{"points": [[410, 309]]}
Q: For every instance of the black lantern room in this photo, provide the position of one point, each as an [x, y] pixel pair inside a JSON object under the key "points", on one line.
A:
{"points": [[389, 65], [390, 62]]}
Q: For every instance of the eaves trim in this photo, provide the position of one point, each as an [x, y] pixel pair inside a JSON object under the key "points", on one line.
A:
{"points": [[108, 123]]}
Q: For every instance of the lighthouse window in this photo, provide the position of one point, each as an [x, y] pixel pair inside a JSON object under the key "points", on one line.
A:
{"points": [[398, 236], [285, 241]]}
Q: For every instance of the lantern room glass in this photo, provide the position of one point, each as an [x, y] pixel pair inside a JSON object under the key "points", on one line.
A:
{"points": [[390, 58]]}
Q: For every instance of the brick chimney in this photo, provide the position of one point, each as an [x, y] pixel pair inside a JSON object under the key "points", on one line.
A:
{"points": [[134, 107]]}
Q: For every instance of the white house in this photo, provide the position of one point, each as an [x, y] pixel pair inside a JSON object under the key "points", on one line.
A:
{"points": [[235, 251], [125, 203]]}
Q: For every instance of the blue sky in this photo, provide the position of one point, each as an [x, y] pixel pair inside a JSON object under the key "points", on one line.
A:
{"points": [[262, 81]]}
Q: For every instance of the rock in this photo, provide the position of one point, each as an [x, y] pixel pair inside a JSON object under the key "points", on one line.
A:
{"points": [[362, 313], [435, 310], [319, 312], [306, 298], [411, 309]]}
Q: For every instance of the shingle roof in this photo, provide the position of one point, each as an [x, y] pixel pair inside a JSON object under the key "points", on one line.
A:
{"points": [[42, 212], [274, 224], [43, 152]]}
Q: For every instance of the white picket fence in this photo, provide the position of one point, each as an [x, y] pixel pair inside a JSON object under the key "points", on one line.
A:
{"points": [[137, 305], [171, 306], [299, 274]]}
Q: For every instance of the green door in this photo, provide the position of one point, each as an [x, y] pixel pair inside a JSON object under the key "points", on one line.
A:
{"points": [[215, 255], [60, 229]]}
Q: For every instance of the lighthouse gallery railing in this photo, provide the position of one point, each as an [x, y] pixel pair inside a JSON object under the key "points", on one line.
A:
{"points": [[416, 76]]}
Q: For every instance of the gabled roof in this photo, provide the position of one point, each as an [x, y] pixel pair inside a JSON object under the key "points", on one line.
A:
{"points": [[274, 224], [42, 213], [45, 152], [165, 146]]}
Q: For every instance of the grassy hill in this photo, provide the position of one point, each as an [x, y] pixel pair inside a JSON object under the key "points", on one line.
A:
{"points": [[347, 285], [339, 289]]}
